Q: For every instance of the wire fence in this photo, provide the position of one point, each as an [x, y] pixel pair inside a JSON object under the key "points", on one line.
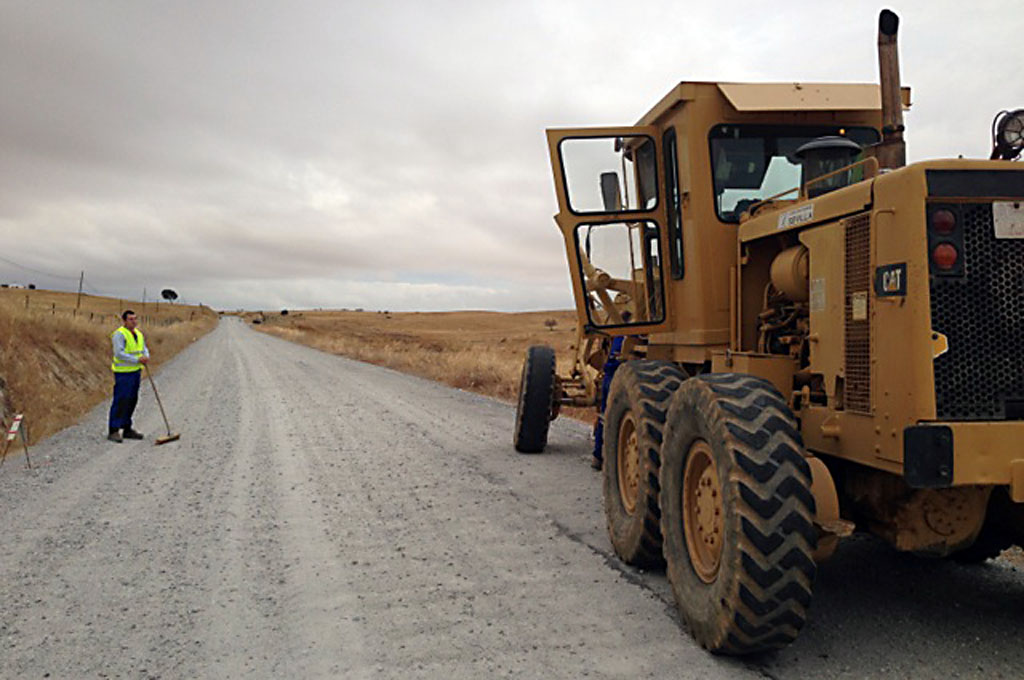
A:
{"points": [[149, 314]]}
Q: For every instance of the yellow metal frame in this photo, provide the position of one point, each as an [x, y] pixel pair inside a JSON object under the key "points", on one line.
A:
{"points": [[712, 312]]}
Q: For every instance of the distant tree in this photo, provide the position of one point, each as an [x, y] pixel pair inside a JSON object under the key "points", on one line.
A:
{"points": [[284, 312], [31, 286], [168, 295], [550, 324]]}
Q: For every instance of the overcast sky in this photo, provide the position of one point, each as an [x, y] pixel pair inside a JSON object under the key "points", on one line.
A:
{"points": [[391, 155]]}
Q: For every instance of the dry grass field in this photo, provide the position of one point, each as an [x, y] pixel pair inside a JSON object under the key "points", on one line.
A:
{"points": [[55, 358], [477, 351]]}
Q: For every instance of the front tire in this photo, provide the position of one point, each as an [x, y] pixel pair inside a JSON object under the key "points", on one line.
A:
{"points": [[536, 400], [737, 514], [633, 420]]}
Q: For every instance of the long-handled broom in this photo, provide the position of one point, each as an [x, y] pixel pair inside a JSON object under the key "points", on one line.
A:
{"points": [[170, 437]]}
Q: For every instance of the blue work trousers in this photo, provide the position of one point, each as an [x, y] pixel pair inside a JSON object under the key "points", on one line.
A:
{"points": [[126, 395], [606, 383]]}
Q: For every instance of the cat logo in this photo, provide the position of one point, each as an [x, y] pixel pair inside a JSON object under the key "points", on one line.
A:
{"points": [[891, 280]]}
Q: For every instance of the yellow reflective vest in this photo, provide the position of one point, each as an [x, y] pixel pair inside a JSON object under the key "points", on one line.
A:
{"points": [[134, 344]]}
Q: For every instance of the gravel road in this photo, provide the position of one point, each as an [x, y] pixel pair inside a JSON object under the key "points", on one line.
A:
{"points": [[325, 518]]}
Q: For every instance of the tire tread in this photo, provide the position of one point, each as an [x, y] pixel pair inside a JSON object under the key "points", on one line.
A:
{"points": [[536, 400], [649, 384], [773, 573]]}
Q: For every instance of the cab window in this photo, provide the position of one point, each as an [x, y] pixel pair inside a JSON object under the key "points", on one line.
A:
{"points": [[750, 163], [609, 174]]}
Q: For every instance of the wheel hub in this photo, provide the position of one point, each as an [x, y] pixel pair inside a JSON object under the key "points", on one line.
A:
{"points": [[628, 467], [703, 519]]}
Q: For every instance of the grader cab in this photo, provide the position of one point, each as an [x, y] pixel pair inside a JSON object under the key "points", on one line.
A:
{"points": [[818, 339]]}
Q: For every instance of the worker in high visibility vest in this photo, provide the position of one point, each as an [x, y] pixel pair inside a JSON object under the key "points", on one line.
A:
{"points": [[130, 355]]}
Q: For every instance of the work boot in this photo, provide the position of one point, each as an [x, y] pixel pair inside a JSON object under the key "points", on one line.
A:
{"points": [[596, 463], [129, 433], [115, 436]]}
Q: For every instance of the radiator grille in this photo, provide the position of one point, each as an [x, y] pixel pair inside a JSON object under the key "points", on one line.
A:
{"points": [[981, 377], [857, 381]]}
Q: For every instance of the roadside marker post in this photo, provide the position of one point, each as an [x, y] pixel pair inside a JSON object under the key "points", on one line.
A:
{"points": [[13, 431]]}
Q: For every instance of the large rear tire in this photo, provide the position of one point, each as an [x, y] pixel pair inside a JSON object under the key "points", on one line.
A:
{"points": [[737, 514], [536, 400], [633, 422]]}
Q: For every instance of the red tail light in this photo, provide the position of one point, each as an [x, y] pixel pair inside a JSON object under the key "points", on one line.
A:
{"points": [[945, 256], [943, 222]]}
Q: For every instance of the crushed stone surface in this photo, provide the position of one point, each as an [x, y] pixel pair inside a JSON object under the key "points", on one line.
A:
{"points": [[323, 518]]}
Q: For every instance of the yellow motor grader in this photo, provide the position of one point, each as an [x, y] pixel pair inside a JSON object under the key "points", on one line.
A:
{"points": [[818, 338]]}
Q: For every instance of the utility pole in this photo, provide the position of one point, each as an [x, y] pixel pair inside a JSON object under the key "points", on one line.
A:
{"points": [[81, 280]]}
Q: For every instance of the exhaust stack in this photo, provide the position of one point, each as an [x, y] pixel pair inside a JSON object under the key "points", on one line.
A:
{"points": [[892, 152]]}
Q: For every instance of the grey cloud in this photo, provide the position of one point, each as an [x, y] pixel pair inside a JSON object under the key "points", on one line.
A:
{"points": [[295, 153]]}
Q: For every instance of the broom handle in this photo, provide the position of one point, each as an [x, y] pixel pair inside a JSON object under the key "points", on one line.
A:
{"points": [[158, 402]]}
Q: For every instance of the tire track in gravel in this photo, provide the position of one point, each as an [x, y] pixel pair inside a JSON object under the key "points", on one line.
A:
{"points": [[320, 639], [241, 539]]}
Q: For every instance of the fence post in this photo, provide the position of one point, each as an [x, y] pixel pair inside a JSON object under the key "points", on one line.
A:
{"points": [[26, 301], [53, 308]]}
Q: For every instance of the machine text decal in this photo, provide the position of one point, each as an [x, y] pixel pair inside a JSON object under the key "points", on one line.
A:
{"points": [[1008, 219], [817, 295], [891, 280], [791, 218], [859, 306]]}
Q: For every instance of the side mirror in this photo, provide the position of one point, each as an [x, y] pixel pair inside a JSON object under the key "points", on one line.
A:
{"points": [[610, 192]]}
